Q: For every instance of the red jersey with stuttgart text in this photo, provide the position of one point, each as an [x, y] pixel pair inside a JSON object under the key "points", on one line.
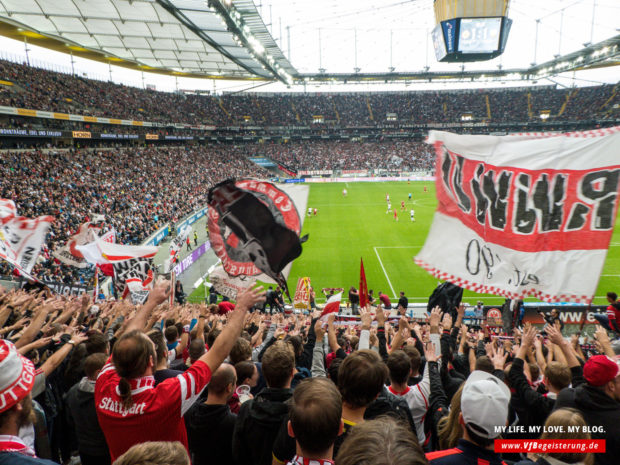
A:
{"points": [[157, 411]]}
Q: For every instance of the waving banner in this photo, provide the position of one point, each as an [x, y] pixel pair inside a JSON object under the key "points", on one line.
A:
{"points": [[175, 246], [302, 294], [21, 238], [133, 268], [254, 227], [92, 252], [70, 253], [525, 214]]}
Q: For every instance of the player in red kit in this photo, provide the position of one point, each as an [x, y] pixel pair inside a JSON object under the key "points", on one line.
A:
{"points": [[395, 215], [402, 206]]}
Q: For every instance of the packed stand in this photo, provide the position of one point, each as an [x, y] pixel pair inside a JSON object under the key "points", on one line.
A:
{"points": [[235, 384], [337, 155], [40, 89], [46, 90], [137, 189]]}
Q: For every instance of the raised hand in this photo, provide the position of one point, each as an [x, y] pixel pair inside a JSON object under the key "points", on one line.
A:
{"points": [[429, 352], [160, 293], [499, 358], [250, 297], [529, 336], [380, 316], [435, 316], [366, 319], [555, 336], [319, 330]]}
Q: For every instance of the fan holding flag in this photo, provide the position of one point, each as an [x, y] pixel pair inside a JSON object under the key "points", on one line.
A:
{"points": [[331, 306]]}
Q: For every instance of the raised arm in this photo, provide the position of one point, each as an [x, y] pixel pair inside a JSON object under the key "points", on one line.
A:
{"points": [[227, 338], [158, 295]]}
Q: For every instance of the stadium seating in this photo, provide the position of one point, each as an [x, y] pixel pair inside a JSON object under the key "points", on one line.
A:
{"points": [[46, 90]]}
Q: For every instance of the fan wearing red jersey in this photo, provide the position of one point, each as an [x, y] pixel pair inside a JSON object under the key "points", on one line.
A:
{"points": [[130, 408]]}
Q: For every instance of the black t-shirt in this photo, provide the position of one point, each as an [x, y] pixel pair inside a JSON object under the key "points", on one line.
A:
{"points": [[348, 426], [284, 445], [354, 298], [403, 302]]}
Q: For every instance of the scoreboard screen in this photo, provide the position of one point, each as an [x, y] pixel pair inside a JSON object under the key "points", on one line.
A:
{"points": [[438, 42], [479, 35]]}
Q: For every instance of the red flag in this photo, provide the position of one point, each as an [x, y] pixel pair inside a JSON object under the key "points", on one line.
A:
{"points": [[332, 305], [363, 286], [107, 269]]}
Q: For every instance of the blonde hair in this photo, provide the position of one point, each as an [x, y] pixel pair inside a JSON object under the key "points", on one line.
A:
{"points": [[155, 453], [565, 418], [449, 429]]}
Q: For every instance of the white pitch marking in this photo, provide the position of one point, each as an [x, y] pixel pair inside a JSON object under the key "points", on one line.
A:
{"points": [[384, 272]]}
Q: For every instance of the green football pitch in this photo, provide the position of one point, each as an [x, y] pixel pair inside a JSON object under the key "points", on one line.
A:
{"points": [[347, 228]]}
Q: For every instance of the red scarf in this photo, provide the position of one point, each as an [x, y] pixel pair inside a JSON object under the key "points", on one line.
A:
{"points": [[14, 444]]}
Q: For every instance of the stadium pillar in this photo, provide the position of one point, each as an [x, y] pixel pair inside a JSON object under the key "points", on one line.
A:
{"points": [[27, 50]]}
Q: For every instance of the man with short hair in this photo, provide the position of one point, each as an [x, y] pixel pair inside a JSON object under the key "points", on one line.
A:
{"points": [[130, 408], [315, 421], [399, 366], [155, 453], [210, 424], [162, 369], [484, 410], [611, 319], [196, 350], [385, 300], [260, 419], [82, 414], [598, 400], [16, 380], [361, 377]]}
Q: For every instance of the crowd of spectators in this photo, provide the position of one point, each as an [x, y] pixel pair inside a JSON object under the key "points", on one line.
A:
{"points": [[137, 189], [393, 155], [46, 90], [164, 385]]}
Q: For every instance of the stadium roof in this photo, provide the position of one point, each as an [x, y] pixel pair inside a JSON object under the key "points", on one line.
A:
{"points": [[371, 36], [180, 37]]}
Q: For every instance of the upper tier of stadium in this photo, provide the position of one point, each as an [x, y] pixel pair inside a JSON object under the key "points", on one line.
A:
{"points": [[33, 88]]}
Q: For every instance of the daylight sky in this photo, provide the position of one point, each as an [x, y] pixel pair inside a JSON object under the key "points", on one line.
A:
{"points": [[374, 35]]}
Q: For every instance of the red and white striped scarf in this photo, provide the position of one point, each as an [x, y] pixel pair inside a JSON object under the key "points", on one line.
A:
{"points": [[14, 444]]}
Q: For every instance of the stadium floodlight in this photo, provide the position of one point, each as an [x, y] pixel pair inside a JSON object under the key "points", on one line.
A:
{"points": [[470, 30]]}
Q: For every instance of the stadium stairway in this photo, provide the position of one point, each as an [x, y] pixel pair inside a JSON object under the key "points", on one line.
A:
{"points": [[198, 268]]}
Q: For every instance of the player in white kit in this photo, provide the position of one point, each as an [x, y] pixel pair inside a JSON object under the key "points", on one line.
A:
{"points": [[389, 208], [412, 214]]}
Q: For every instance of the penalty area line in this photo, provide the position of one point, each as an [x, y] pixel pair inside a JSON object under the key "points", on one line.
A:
{"points": [[385, 272]]}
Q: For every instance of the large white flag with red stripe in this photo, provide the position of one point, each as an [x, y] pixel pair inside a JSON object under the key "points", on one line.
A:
{"points": [[332, 305], [21, 238], [525, 214]]}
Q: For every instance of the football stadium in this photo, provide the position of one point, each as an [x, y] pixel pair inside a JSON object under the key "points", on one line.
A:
{"points": [[267, 232]]}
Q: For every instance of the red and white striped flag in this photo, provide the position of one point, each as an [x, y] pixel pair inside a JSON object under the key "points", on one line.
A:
{"points": [[525, 214], [332, 305]]}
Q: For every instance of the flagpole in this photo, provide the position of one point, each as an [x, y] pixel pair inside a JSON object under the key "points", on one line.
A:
{"points": [[174, 285], [96, 290]]}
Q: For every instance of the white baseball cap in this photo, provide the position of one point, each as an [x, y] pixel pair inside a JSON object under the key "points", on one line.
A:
{"points": [[484, 404]]}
